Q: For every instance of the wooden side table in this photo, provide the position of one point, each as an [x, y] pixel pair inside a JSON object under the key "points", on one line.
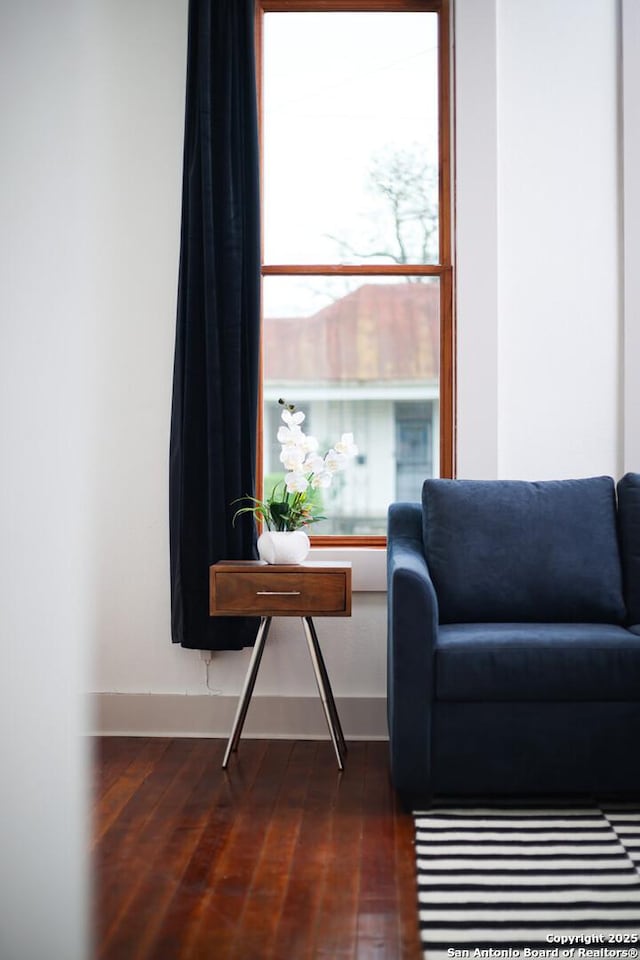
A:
{"points": [[306, 590]]}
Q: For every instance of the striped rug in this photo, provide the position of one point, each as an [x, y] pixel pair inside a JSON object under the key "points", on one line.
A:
{"points": [[505, 881]]}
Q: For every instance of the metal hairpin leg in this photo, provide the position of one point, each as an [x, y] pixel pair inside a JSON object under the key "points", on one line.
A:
{"points": [[324, 689], [247, 689], [325, 676]]}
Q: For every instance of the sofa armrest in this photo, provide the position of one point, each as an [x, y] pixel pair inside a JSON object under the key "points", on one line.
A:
{"points": [[411, 639]]}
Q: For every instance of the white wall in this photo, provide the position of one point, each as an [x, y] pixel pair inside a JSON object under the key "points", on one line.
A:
{"points": [[558, 281], [137, 121], [476, 237], [631, 229], [540, 314], [46, 510], [538, 307]]}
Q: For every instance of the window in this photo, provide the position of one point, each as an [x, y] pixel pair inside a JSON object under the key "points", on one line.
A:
{"points": [[357, 280]]}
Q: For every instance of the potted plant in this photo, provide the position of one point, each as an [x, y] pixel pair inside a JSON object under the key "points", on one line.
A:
{"points": [[291, 506]]}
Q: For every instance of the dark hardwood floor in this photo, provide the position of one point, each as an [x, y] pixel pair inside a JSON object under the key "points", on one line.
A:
{"points": [[279, 858]]}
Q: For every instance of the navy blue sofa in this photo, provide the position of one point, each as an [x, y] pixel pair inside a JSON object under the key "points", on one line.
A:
{"points": [[514, 638]]}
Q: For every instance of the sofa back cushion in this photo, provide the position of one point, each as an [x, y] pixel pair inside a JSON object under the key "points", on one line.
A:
{"points": [[629, 527], [513, 550]]}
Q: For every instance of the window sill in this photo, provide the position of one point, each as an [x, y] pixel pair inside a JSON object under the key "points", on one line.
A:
{"points": [[369, 565]]}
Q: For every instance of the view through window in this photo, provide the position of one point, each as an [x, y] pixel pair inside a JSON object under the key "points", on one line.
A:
{"points": [[356, 274]]}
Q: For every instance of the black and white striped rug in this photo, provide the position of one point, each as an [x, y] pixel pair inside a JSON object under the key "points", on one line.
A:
{"points": [[551, 882]]}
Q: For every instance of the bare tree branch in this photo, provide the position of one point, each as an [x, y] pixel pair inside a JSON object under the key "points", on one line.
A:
{"points": [[406, 184]]}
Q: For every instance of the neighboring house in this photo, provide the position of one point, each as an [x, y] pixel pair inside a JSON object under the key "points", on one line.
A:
{"points": [[367, 363]]}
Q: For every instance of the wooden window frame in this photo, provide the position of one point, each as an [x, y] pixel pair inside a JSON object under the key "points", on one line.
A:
{"points": [[443, 270]]}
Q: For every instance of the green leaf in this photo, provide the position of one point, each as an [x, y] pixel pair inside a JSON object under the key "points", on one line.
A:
{"points": [[280, 513]]}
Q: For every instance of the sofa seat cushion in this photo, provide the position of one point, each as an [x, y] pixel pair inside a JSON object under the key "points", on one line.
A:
{"points": [[518, 551], [537, 662]]}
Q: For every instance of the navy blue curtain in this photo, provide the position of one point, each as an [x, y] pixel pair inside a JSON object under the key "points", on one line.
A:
{"points": [[215, 385]]}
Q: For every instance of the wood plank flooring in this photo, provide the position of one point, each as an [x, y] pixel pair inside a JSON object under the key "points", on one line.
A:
{"points": [[281, 857]]}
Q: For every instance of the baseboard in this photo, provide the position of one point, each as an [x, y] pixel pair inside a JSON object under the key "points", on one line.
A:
{"points": [[179, 715]]}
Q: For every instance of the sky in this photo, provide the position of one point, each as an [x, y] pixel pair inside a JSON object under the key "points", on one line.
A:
{"points": [[339, 88]]}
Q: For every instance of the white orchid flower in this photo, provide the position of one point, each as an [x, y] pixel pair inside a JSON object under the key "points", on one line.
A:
{"points": [[313, 464], [293, 419], [321, 479], [346, 445], [291, 436], [335, 461], [292, 458], [309, 444], [296, 482]]}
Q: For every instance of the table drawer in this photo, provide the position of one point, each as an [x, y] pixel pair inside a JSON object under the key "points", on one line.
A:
{"points": [[303, 593]]}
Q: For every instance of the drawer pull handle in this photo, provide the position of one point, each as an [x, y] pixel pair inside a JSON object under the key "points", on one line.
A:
{"points": [[277, 593]]}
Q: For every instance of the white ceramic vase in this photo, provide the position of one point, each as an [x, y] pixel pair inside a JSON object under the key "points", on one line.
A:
{"points": [[287, 546]]}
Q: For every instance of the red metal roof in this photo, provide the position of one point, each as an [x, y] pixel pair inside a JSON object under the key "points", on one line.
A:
{"points": [[379, 332]]}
